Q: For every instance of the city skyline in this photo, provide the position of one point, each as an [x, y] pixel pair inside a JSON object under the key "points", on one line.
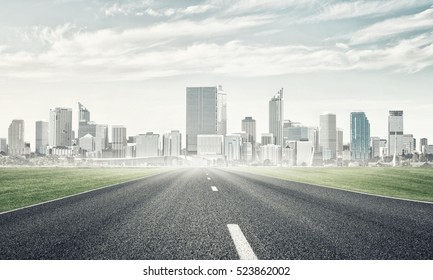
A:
{"points": [[121, 56], [76, 127]]}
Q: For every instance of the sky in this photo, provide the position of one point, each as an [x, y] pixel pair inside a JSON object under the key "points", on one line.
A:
{"points": [[129, 62]]}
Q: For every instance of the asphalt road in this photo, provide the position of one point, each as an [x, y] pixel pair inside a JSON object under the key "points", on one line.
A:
{"points": [[185, 213]]}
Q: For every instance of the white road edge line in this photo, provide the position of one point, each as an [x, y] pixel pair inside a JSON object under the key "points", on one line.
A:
{"points": [[214, 188], [243, 248]]}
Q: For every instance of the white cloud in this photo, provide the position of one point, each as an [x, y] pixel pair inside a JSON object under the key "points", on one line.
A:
{"points": [[106, 55], [394, 26], [150, 8], [354, 9]]}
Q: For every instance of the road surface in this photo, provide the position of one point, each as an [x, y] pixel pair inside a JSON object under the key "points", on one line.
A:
{"points": [[219, 214]]}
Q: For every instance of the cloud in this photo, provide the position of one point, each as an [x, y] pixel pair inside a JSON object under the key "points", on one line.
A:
{"points": [[355, 9], [113, 55], [394, 26], [150, 8]]}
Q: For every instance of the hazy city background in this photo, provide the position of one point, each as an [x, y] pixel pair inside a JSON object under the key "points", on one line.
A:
{"points": [[130, 62]]}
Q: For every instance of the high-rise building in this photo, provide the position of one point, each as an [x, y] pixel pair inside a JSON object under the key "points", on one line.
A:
{"points": [[276, 114], [328, 135], [101, 139], [60, 128], [16, 138], [267, 138], [359, 136], [172, 143], [375, 147], [249, 126], [422, 142], [85, 126], [395, 133], [339, 142], [41, 137], [147, 145], [297, 133], [118, 141], [232, 147], [3, 146], [83, 114], [206, 113], [408, 144]]}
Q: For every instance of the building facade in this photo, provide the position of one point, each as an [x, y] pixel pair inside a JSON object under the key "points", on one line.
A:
{"points": [[16, 138], [147, 145], [210, 145], [172, 143], [359, 136], [232, 147], [3, 146], [328, 136], [60, 127], [41, 137], [118, 141], [206, 113], [276, 114], [395, 133]]}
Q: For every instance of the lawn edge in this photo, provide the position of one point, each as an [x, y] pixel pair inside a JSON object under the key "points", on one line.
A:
{"points": [[76, 194], [340, 188]]}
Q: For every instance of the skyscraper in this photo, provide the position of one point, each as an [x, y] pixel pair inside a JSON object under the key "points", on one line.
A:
{"points": [[41, 137], [276, 114], [172, 143], [359, 136], [249, 126], [3, 146], [395, 132], [375, 147], [60, 128], [85, 126], [118, 141], [101, 138], [206, 113], [83, 114], [328, 135], [16, 138]]}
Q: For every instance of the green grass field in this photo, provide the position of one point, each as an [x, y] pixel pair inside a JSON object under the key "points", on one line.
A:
{"points": [[409, 183], [25, 186]]}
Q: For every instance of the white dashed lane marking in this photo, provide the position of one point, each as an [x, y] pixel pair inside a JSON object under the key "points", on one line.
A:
{"points": [[243, 248]]}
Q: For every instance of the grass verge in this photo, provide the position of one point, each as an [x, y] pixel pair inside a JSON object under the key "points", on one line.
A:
{"points": [[407, 183], [21, 187]]}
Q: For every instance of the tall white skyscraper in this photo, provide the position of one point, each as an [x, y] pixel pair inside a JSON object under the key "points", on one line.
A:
{"points": [[101, 138], [118, 141], [206, 113], [147, 145], [328, 135], [60, 128], [276, 114], [395, 133], [41, 137], [172, 143], [249, 126], [16, 138]]}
